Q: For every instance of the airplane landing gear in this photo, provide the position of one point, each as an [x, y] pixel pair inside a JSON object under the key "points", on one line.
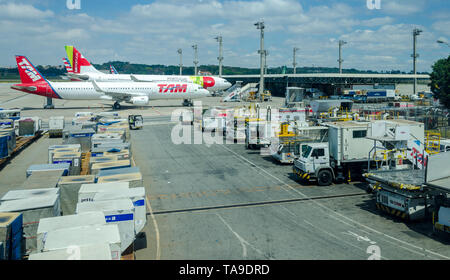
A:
{"points": [[49, 104], [116, 106], [188, 103]]}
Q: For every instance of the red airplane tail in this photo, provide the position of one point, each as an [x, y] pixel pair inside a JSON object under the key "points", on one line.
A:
{"points": [[28, 73]]}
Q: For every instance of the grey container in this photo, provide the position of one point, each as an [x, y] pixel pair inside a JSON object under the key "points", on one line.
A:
{"points": [[106, 147], [97, 167], [76, 135], [101, 159], [62, 222], [51, 149], [121, 154], [90, 252], [43, 168], [33, 209], [73, 158], [39, 180], [120, 212], [55, 126], [29, 126], [22, 194], [71, 238], [69, 187], [129, 174]]}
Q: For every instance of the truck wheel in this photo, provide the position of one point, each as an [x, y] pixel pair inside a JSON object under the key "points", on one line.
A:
{"points": [[324, 178]]}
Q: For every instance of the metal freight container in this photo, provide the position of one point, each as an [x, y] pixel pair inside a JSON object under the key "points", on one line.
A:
{"points": [[101, 159], [11, 236], [55, 126], [29, 126], [121, 154], [120, 212], [11, 132], [4, 146], [73, 158], [69, 187], [137, 196], [113, 147], [62, 222], [72, 238], [101, 251], [39, 180], [43, 168], [129, 174], [72, 147], [21, 194], [33, 209], [95, 169], [76, 135], [88, 191]]}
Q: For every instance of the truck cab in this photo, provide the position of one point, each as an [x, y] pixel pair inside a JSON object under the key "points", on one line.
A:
{"points": [[314, 162]]}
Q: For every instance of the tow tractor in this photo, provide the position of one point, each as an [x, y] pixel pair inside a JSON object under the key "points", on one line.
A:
{"points": [[135, 121]]}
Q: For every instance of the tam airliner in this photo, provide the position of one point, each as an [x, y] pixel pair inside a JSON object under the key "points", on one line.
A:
{"points": [[82, 69], [33, 82]]}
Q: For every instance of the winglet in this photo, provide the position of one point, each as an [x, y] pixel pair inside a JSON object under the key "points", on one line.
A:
{"points": [[96, 87], [134, 79]]}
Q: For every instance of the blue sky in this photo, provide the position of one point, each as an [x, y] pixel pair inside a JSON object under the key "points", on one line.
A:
{"points": [[151, 31]]}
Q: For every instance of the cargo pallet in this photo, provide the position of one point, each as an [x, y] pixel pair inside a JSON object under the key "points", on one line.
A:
{"points": [[21, 143]]}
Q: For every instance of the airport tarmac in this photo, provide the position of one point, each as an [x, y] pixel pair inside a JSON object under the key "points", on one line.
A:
{"points": [[226, 202]]}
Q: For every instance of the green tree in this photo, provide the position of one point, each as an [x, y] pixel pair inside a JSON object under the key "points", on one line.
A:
{"points": [[440, 81]]}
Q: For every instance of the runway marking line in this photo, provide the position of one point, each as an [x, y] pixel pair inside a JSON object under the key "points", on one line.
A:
{"points": [[420, 250]]}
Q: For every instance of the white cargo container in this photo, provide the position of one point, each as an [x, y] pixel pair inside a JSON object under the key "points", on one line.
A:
{"points": [[87, 191], [130, 174], [137, 196], [56, 223], [72, 158], [71, 147], [55, 126], [45, 168], [21, 194], [33, 209], [120, 212], [100, 251], [72, 238]]}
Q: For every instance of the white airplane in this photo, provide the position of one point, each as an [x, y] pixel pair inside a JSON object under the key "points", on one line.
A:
{"points": [[83, 70], [131, 92]]}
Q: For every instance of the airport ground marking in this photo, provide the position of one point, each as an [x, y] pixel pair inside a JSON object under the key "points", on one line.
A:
{"points": [[420, 252]]}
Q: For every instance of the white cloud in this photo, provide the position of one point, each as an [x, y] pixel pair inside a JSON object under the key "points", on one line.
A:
{"points": [[21, 11], [402, 7]]}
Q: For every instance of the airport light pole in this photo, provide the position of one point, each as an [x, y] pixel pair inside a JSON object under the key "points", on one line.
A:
{"points": [[340, 60], [294, 63], [260, 25], [180, 51], [220, 58], [266, 53], [415, 55], [195, 59]]}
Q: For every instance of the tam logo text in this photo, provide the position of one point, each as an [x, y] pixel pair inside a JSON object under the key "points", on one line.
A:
{"points": [[31, 72], [172, 88]]}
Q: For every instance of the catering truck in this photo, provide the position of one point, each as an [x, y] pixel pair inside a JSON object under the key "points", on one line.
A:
{"points": [[345, 152], [349, 151]]}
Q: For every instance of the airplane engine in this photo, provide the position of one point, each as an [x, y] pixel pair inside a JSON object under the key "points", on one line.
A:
{"points": [[139, 100]]}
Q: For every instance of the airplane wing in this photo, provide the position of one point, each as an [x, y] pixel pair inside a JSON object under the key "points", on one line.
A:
{"points": [[117, 95]]}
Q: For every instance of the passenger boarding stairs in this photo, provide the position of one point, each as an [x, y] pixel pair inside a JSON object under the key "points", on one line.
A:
{"points": [[237, 91]]}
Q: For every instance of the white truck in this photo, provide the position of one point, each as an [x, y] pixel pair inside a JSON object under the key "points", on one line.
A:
{"points": [[347, 153]]}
